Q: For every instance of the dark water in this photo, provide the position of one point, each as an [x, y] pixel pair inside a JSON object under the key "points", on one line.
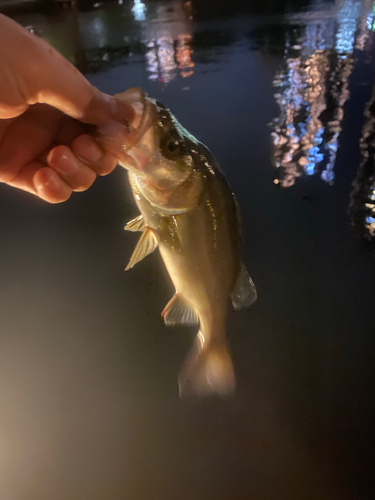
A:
{"points": [[89, 406]]}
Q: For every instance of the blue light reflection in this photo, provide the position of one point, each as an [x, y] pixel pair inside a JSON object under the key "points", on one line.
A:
{"points": [[311, 89]]}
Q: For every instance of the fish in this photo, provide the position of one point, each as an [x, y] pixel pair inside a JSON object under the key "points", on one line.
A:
{"points": [[188, 211]]}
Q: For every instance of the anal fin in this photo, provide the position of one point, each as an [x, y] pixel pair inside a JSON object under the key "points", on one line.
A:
{"points": [[178, 312], [146, 245], [244, 293], [137, 224]]}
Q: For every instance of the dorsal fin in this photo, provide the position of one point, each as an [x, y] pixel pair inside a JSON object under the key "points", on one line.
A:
{"points": [[178, 312], [137, 224], [244, 293], [146, 244]]}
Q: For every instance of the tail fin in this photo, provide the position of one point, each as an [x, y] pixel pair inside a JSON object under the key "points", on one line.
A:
{"points": [[207, 370]]}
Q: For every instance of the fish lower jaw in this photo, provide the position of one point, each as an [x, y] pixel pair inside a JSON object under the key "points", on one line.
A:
{"points": [[172, 211]]}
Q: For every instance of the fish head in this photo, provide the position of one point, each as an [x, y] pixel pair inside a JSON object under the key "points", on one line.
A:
{"points": [[156, 150]]}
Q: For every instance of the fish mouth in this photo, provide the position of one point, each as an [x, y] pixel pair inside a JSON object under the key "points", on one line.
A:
{"points": [[144, 114], [126, 143]]}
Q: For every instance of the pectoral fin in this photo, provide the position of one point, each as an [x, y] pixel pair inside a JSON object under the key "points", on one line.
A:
{"points": [[244, 293], [178, 312], [146, 245], [137, 224]]}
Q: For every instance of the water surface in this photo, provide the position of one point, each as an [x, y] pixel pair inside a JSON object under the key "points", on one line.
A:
{"points": [[89, 401]]}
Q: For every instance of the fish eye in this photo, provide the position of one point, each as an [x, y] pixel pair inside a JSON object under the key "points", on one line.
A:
{"points": [[171, 148]]}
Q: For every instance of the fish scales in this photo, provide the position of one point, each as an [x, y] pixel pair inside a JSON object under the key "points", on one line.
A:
{"points": [[191, 214]]}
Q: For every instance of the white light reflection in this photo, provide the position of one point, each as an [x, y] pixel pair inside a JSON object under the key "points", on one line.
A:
{"points": [[98, 28], [298, 131], [364, 24], [339, 95], [362, 197], [370, 219], [312, 89], [152, 64], [139, 10], [160, 62], [167, 37], [370, 20], [347, 25], [166, 59]]}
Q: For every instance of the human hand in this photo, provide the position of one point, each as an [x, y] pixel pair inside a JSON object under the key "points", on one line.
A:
{"points": [[47, 111]]}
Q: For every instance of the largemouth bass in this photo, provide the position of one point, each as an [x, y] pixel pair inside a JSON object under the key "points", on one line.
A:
{"points": [[189, 211]]}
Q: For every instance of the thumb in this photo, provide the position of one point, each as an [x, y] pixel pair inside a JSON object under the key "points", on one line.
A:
{"points": [[31, 71]]}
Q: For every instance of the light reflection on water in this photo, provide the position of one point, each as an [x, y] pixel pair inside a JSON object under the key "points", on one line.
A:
{"points": [[362, 201], [167, 37], [320, 47], [184, 55], [104, 375], [160, 33], [139, 10], [312, 88]]}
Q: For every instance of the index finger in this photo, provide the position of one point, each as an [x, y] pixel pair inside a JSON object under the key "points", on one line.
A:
{"points": [[32, 71]]}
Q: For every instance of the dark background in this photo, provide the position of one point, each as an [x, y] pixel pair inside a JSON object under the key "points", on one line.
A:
{"points": [[89, 406]]}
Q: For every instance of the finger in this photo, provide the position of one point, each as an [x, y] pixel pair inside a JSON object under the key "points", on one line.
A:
{"points": [[86, 149], [45, 76], [76, 174], [26, 138], [4, 124], [103, 107], [42, 181], [40, 75], [69, 129], [50, 187]]}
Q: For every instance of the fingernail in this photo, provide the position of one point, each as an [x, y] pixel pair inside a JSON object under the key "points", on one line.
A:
{"points": [[121, 111], [44, 180], [64, 165], [113, 129], [112, 136]]}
